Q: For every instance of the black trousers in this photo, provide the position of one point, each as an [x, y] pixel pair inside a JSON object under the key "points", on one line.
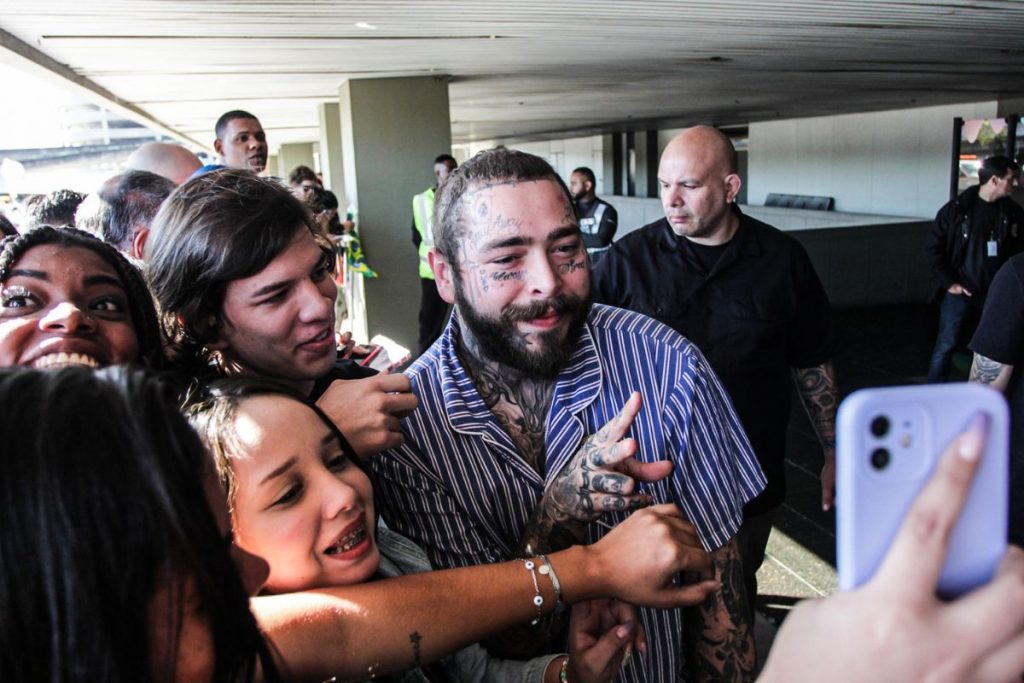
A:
{"points": [[433, 315]]}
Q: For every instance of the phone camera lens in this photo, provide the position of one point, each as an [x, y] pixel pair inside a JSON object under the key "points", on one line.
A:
{"points": [[880, 426], [880, 458]]}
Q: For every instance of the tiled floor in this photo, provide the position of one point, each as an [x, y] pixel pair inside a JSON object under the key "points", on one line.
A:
{"points": [[880, 346]]}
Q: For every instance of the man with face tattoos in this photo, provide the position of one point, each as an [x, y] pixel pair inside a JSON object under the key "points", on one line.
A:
{"points": [[520, 443]]}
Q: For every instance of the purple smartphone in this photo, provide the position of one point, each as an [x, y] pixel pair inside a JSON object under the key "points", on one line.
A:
{"points": [[887, 444]]}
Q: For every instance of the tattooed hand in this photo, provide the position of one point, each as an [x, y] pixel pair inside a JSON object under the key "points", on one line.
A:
{"points": [[602, 475]]}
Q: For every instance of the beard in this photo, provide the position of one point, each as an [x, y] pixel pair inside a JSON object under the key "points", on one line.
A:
{"points": [[502, 342]]}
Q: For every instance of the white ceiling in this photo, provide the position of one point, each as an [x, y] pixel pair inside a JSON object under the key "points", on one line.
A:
{"points": [[531, 69]]}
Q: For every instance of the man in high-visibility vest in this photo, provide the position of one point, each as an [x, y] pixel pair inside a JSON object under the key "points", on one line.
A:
{"points": [[433, 309]]}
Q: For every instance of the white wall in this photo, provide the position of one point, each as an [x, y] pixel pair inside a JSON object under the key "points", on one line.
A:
{"points": [[564, 155], [894, 162]]}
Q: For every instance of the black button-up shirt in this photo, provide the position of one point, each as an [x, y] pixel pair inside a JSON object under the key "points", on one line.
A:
{"points": [[760, 311]]}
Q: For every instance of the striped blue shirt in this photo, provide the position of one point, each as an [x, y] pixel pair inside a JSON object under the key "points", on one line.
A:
{"points": [[459, 488]]}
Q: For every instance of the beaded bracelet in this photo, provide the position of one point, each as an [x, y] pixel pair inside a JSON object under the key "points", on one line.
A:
{"points": [[563, 673], [548, 570], [538, 599]]}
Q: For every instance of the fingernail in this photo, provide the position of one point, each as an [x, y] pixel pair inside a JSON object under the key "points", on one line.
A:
{"points": [[626, 657], [971, 443], [625, 630]]}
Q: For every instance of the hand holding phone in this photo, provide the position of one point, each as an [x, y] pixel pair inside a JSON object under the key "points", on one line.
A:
{"points": [[894, 627], [888, 443]]}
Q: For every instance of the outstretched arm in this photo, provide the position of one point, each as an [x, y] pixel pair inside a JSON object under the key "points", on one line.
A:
{"points": [[819, 395], [371, 629], [720, 637]]}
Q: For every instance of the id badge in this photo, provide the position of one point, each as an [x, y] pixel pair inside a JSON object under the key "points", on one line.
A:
{"points": [[993, 248]]}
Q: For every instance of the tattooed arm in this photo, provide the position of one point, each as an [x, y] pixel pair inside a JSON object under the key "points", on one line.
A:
{"points": [[991, 372], [818, 393], [719, 637]]}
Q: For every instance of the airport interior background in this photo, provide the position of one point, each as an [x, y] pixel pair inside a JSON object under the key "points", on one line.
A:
{"points": [[854, 122]]}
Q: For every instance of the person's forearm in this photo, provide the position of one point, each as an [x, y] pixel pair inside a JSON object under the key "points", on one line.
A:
{"points": [[544, 534], [399, 623], [719, 635], [991, 372], [820, 395]]}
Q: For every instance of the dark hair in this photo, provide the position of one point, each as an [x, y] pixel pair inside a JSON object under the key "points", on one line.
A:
{"points": [[216, 228], [228, 117], [586, 173], [57, 209], [101, 505], [490, 166], [446, 159], [213, 410], [140, 302], [317, 200], [330, 200], [133, 203], [300, 173], [996, 166], [7, 227]]}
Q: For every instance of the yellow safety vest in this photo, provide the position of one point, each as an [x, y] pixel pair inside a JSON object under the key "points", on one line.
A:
{"points": [[423, 218]]}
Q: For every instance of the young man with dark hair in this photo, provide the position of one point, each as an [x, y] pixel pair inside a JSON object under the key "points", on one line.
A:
{"points": [[303, 182], [244, 283], [241, 142], [974, 234]]}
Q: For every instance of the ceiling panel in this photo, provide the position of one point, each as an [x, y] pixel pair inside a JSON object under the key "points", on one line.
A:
{"points": [[534, 69]]}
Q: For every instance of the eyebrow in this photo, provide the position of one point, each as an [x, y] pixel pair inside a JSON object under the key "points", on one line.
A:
{"points": [[563, 232], [90, 280], [281, 469], [553, 236], [24, 272], [507, 242], [272, 287], [103, 280]]}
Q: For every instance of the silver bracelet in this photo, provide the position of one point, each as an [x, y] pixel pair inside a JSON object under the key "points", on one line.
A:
{"points": [[538, 599], [548, 570]]}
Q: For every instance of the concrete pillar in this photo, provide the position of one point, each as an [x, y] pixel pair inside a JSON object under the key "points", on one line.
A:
{"points": [[392, 129], [291, 155], [647, 163], [273, 164], [332, 165]]}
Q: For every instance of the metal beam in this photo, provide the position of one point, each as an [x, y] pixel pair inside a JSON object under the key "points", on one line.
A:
{"points": [[21, 55]]}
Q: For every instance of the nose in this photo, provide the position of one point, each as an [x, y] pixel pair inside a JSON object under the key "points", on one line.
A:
{"points": [[670, 196], [339, 496], [253, 569], [543, 277], [316, 301], [68, 318]]}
